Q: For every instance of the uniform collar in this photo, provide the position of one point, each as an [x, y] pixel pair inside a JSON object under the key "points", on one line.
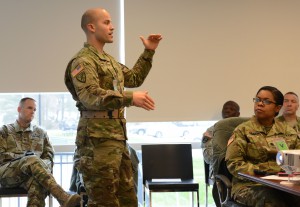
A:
{"points": [[18, 128], [277, 128], [103, 56]]}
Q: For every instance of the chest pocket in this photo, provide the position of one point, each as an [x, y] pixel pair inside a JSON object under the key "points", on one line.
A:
{"points": [[37, 145], [257, 148], [106, 75], [11, 144]]}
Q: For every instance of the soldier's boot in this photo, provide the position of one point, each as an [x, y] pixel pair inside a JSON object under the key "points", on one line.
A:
{"points": [[64, 199], [39, 171]]}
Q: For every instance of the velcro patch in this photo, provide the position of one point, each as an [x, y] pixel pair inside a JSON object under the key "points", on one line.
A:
{"points": [[81, 77], [77, 70]]}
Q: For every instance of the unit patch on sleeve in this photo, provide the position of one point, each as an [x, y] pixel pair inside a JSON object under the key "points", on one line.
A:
{"points": [[81, 77]]}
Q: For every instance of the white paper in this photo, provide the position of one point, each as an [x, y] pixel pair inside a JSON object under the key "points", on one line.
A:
{"points": [[276, 177], [167, 180]]}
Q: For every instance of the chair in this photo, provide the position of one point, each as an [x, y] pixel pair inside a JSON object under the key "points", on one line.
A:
{"points": [[17, 192], [222, 131], [208, 181], [168, 161]]}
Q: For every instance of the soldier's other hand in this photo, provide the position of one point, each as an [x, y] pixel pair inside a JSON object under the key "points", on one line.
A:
{"points": [[152, 41], [143, 100]]}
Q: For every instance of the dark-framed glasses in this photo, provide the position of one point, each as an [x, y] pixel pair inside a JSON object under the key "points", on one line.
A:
{"points": [[264, 101]]}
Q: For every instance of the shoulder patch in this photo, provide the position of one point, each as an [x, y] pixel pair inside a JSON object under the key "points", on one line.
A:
{"points": [[77, 70], [230, 140], [81, 77], [207, 134]]}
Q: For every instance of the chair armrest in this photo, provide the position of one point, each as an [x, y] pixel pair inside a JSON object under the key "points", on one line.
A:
{"points": [[225, 180], [224, 188]]}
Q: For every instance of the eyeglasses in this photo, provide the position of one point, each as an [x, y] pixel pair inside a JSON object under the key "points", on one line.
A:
{"points": [[264, 101]]}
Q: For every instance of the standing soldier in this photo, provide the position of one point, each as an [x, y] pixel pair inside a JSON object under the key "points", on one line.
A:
{"points": [[96, 81]]}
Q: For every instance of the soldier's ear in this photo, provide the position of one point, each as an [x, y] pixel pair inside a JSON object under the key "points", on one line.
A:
{"points": [[277, 108], [90, 27]]}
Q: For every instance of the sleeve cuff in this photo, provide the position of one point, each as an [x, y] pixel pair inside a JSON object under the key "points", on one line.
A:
{"points": [[128, 98], [148, 54]]}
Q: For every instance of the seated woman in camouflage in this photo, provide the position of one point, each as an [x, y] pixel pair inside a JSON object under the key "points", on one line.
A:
{"points": [[253, 146]]}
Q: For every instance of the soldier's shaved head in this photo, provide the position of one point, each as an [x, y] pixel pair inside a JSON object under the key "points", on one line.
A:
{"points": [[90, 16]]}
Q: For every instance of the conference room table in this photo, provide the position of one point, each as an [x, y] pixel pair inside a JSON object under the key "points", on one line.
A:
{"points": [[293, 188]]}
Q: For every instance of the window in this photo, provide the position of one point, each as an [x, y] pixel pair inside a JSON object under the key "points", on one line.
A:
{"points": [[57, 113]]}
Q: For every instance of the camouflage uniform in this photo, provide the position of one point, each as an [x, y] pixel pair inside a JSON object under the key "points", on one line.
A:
{"points": [[296, 126], [206, 145], [252, 147], [96, 82], [14, 142]]}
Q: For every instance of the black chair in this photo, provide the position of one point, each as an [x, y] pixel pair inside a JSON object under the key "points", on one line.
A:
{"points": [[168, 161], [17, 192], [223, 182], [222, 131]]}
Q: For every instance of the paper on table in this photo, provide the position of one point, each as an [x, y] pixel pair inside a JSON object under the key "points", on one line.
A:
{"points": [[276, 177], [167, 180]]}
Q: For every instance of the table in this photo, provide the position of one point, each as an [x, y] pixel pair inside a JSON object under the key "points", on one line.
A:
{"points": [[293, 189]]}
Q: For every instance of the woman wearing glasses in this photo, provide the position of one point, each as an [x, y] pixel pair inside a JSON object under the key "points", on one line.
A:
{"points": [[253, 147]]}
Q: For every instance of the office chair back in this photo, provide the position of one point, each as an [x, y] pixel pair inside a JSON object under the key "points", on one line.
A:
{"points": [[223, 130], [167, 161]]}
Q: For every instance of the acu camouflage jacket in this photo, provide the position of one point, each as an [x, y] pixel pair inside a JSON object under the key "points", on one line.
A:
{"points": [[14, 142], [252, 147], [96, 82]]}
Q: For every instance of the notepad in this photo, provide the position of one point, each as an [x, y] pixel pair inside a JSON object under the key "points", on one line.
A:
{"points": [[166, 180]]}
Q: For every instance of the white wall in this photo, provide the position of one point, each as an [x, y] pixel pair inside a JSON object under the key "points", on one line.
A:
{"points": [[38, 38], [213, 51]]}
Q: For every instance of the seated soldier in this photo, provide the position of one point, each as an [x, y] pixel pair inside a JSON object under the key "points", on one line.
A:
{"points": [[253, 147], [289, 111], [230, 109], [26, 159]]}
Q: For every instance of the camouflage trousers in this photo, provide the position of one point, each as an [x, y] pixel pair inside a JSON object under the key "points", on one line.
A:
{"points": [[263, 196], [107, 172], [28, 172]]}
